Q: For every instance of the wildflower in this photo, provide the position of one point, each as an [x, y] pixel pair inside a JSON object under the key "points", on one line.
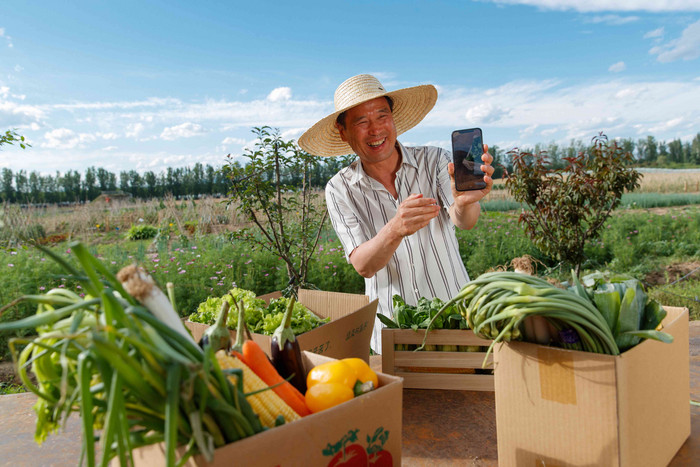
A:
{"points": [[42, 288], [10, 265], [182, 271]]}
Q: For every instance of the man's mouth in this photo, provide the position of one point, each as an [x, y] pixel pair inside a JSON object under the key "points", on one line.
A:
{"points": [[375, 144]]}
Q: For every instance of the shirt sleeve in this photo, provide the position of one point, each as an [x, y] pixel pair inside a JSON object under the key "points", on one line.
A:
{"points": [[444, 184], [343, 217]]}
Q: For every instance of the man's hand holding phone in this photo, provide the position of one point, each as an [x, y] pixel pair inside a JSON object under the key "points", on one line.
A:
{"points": [[470, 175]]}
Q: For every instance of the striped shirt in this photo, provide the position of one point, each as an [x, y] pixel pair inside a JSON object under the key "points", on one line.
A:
{"points": [[427, 263]]}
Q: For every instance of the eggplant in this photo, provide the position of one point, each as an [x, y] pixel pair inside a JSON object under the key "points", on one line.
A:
{"points": [[218, 335], [286, 353]]}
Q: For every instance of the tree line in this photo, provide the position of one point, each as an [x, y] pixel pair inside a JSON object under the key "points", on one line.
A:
{"points": [[206, 180]]}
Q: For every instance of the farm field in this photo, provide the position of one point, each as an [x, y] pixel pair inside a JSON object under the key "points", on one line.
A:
{"points": [[193, 248]]}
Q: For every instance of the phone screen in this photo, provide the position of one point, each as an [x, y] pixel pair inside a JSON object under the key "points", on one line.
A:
{"points": [[467, 149]]}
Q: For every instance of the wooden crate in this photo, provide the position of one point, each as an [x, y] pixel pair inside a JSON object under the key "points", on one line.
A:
{"points": [[437, 369]]}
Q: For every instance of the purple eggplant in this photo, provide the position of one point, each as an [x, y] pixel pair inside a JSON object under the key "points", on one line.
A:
{"points": [[285, 351]]}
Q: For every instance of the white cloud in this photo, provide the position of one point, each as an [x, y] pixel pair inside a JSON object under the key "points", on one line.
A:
{"points": [[134, 130], [280, 94], [184, 130], [484, 112], [6, 37], [538, 111], [230, 140], [150, 102], [686, 47], [656, 33], [608, 5], [666, 125], [617, 67], [64, 138], [614, 20], [292, 133]]}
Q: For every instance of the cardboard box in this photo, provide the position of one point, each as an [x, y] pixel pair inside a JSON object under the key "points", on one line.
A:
{"points": [[347, 334], [564, 408], [437, 369], [367, 428]]}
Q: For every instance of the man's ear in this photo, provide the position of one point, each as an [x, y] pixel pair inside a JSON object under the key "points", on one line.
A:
{"points": [[341, 130]]}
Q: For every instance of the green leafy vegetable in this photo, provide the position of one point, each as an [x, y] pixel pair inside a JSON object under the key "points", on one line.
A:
{"points": [[260, 317]]}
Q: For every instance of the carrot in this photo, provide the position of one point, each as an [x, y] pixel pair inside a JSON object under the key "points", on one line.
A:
{"points": [[253, 356]]}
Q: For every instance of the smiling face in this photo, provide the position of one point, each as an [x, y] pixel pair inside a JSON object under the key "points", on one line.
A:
{"points": [[370, 131]]}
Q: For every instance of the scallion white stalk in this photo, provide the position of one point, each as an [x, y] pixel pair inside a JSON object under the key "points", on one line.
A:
{"points": [[142, 287]]}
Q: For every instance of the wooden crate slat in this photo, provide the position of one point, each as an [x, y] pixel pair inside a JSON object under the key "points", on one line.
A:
{"points": [[440, 359], [447, 381], [436, 369], [439, 337]]}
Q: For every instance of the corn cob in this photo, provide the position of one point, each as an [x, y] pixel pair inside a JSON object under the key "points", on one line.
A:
{"points": [[266, 404]]}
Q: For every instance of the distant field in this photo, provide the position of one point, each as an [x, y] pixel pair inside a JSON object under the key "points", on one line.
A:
{"points": [[661, 181], [659, 188]]}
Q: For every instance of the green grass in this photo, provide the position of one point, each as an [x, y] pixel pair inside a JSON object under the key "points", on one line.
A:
{"points": [[685, 294], [658, 200], [634, 242], [10, 388], [628, 201]]}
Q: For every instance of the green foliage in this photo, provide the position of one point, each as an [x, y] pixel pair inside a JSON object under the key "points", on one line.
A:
{"points": [[11, 137], [274, 193], [685, 294], [495, 240], [632, 242], [658, 200], [328, 270], [260, 317], [640, 241], [10, 388], [141, 232], [567, 207]]}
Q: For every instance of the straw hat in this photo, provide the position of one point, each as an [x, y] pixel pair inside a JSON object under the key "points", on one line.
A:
{"points": [[411, 105]]}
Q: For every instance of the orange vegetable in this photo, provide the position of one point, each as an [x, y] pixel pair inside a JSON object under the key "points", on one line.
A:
{"points": [[257, 360], [323, 396]]}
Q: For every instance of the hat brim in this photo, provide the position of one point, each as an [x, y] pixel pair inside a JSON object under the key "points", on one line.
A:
{"points": [[411, 105]]}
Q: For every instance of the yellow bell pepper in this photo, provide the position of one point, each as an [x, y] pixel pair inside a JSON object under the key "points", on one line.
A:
{"points": [[333, 383]]}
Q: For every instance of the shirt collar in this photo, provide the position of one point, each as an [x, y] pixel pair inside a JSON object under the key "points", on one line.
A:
{"points": [[358, 173]]}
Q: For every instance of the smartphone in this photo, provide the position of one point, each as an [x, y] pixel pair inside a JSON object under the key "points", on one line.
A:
{"points": [[467, 149]]}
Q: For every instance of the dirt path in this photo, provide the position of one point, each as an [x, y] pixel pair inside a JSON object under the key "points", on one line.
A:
{"points": [[7, 373]]}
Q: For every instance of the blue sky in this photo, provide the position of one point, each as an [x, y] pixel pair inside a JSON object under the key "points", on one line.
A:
{"points": [[143, 85]]}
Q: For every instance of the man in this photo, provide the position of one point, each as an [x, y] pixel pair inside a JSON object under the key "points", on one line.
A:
{"points": [[394, 208]]}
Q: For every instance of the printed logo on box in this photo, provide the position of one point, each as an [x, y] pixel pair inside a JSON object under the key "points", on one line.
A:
{"points": [[353, 332], [319, 349], [347, 452]]}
